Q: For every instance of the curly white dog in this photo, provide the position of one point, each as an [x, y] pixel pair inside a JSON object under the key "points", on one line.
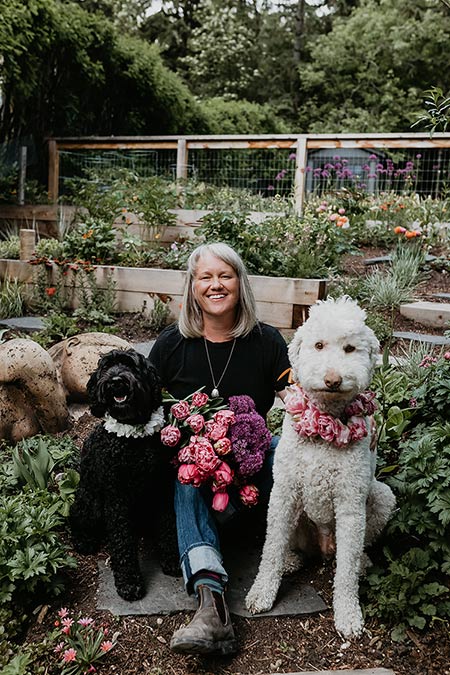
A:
{"points": [[325, 496]]}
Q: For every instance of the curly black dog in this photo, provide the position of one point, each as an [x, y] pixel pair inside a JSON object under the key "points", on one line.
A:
{"points": [[126, 478]]}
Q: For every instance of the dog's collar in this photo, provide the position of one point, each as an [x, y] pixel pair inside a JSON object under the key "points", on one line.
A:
{"points": [[310, 421], [154, 424]]}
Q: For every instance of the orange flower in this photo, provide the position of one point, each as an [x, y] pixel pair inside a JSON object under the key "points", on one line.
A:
{"points": [[399, 230], [50, 291], [412, 233], [88, 234], [384, 207]]}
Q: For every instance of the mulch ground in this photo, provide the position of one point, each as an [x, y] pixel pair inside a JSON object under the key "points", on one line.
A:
{"points": [[267, 645]]}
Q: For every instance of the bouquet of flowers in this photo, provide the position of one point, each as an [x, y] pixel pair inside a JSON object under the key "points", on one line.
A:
{"points": [[218, 445]]}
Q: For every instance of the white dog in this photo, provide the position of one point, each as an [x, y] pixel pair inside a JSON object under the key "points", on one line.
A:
{"points": [[325, 494]]}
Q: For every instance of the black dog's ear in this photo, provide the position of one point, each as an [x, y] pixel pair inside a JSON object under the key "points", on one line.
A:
{"points": [[97, 408], [151, 375]]}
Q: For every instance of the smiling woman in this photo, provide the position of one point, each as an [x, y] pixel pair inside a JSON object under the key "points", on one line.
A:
{"points": [[220, 346]]}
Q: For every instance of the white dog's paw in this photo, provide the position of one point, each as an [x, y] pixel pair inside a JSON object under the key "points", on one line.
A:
{"points": [[261, 597], [349, 622]]}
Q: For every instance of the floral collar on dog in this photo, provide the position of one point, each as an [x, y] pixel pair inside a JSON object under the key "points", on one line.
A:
{"points": [[310, 421], [155, 423]]}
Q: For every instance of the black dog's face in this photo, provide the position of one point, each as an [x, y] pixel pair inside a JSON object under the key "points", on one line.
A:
{"points": [[126, 386]]}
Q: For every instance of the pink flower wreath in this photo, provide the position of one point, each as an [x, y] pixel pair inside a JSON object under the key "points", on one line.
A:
{"points": [[310, 421], [218, 445]]}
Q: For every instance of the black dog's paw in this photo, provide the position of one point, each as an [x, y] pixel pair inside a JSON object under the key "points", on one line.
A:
{"points": [[171, 567], [130, 587], [86, 546]]}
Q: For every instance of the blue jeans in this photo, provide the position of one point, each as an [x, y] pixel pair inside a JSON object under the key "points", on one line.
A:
{"points": [[198, 538]]}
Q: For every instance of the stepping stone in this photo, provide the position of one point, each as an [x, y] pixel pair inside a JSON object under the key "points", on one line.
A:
{"points": [[422, 337], [442, 296], [434, 314], [26, 324], [365, 671], [387, 259], [166, 595]]}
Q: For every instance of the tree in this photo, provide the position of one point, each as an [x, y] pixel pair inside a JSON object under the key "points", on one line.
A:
{"points": [[368, 72]]}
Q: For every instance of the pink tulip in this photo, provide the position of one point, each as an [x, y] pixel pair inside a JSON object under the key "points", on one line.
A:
{"points": [[199, 400], [188, 474], [220, 501], [223, 476], [222, 446], [170, 435], [196, 422], [180, 410], [249, 495]]}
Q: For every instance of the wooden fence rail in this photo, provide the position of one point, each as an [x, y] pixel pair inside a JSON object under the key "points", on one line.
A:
{"points": [[298, 143]]}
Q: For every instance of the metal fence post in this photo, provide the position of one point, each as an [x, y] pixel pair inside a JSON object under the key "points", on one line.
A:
{"points": [[22, 175], [182, 153], [301, 155]]}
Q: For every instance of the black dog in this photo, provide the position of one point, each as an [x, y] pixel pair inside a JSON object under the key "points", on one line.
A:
{"points": [[126, 479]]}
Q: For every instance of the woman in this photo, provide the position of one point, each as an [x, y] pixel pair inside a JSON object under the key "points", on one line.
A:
{"points": [[217, 344]]}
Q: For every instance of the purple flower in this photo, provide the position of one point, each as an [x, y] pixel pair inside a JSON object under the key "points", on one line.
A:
{"points": [[373, 157], [418, 156], [250, 438], [270, 187], [292, 156]]}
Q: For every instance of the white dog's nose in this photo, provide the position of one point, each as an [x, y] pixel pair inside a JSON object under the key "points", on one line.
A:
{"points": [[332, 380]]}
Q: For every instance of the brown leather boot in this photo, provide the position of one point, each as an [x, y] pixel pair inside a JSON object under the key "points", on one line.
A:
{"points": [[210, 631]]}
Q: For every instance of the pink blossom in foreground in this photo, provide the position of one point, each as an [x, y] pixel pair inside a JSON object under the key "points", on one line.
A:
{"points": [[106, 646], [196, 422], [86, 621], [70, 655], [63, 612]]}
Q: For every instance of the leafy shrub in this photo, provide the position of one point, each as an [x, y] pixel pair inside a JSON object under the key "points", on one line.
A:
{"points": [[407, 587], [10, 247], [92, 240], [11, 299], [49, 248]]}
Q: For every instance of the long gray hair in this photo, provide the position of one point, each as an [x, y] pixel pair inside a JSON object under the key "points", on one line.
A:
{"points": [[190, 322]]}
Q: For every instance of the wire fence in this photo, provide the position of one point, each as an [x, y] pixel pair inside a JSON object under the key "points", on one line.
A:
{"points": [[272, 171]]}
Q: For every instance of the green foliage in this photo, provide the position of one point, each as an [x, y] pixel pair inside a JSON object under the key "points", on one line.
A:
{"points": [[389, 288], [57, 327], [31, 551], [10, 247], [159, 315], [275, 418], [437, 111], [49, 248], [242, 117], [280, 246], [407, 586], [93, 240], [11, 299], [95, 305]]}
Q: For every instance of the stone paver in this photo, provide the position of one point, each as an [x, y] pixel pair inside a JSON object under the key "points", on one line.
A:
{"points": [[25, 324], [166, 594], [433, 314], [442, 296], [143, 347], [387, 259], [422, 337]]}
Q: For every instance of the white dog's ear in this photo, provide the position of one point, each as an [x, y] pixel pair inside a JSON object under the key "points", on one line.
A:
{"points": [[293, 350], [374, 346]]}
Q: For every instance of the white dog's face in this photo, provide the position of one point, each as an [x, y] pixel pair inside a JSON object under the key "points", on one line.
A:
{"points": [[333, 354]]}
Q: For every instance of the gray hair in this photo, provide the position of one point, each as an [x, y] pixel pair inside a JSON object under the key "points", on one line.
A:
{"points": [[190, 322]]}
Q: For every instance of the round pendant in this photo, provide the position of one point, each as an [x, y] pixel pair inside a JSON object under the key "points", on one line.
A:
{"points": [[215, 393]]}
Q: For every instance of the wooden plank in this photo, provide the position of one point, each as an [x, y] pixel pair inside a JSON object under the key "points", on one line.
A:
{"points": [[301, 159], [16, 269], [292, 291], [53, 171]]}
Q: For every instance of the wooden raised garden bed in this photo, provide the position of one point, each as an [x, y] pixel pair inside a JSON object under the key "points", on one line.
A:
{"points": [[282, 302]]}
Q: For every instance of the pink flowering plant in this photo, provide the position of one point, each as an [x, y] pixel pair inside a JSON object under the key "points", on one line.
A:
{"points": [[80, 643], [219, 446]]}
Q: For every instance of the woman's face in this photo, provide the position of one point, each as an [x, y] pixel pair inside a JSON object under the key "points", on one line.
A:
{"points": [[216, 287]]}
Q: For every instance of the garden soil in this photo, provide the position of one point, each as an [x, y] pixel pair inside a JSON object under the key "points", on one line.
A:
{"points": [[266, 645]]}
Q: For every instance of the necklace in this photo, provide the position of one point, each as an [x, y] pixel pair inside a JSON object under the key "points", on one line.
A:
{"points": [[215, 391], [311, 422]]}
